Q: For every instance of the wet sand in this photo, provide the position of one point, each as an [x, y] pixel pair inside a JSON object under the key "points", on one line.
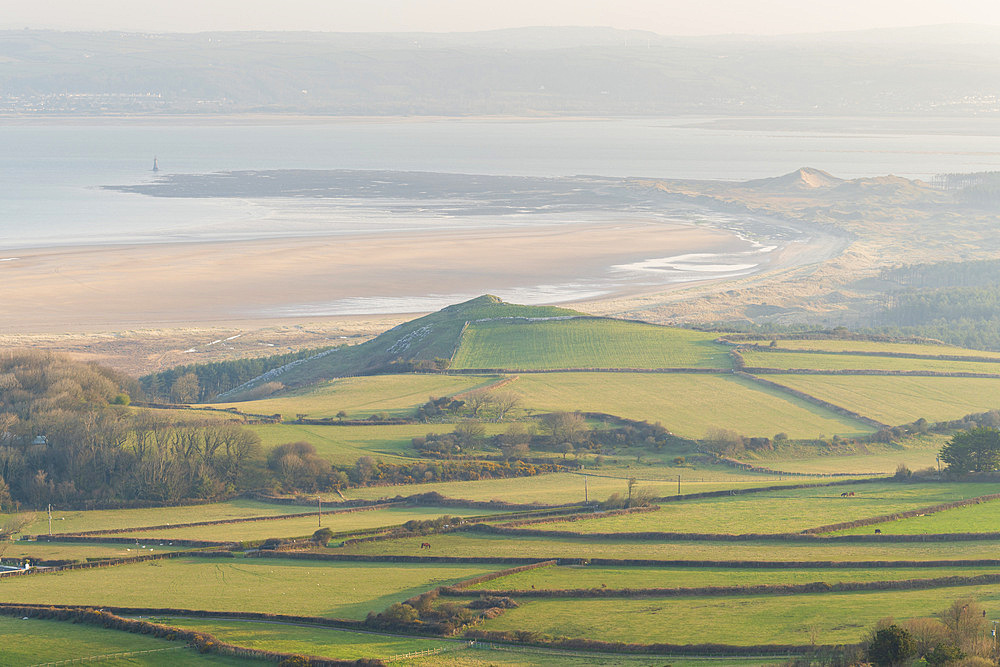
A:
{"points": [[115, 288]]}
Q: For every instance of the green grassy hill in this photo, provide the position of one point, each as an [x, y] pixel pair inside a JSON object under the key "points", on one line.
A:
{"points": [[404, 347], [586, 343]]}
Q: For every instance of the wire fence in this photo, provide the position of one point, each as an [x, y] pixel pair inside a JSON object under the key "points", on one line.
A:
{"points": [[108, 656]]}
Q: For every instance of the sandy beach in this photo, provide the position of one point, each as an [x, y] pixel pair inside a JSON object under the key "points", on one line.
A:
{"points": [[163, 285]]}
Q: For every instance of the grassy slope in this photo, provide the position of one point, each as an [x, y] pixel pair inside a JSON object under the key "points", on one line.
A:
{"points": [[343, 644], [588, 343], [562, 488], [569, 577], [343, 445], [873, 346], [984, 518], [71, 521], [428, 337], [781, 619], [304, 526], [786, 360], [688, 405], [900, 400], [36, 641], [326, 642], [360, 397], [780, 511], [267, 585], [462, 544]]}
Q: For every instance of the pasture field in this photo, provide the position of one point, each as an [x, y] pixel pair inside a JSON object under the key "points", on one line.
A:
{"points": [[303, 526], [688, 405], [776, 619], [900, 400], [338, 590], [917, 453], [543, 548], [586, 343], [343, 644], [786, 360], [928, 349], [788, 511], [344, 445], [563, 487], [566, 577], [326, 642], [75, 551], [35, 641], [982, 518], [360, 397], [74, 521]]}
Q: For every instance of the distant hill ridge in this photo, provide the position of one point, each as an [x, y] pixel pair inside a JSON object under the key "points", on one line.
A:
{"points": [[427, 342]]}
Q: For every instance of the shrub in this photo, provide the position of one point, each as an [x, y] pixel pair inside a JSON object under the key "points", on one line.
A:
{"points": [[890, 646]]}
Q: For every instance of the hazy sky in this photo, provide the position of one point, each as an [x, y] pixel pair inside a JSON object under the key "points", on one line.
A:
{"points": [[668, 17]]}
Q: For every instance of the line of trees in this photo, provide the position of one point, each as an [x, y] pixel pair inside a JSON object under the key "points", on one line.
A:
{"points": [[200, 383]]}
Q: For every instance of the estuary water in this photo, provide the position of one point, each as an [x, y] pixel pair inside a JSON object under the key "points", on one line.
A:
{"points": [[53, 176], [51, 172]]}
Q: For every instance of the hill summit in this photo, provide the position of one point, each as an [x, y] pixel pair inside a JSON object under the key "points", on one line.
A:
{"points": [[806, 178], [426, 343]]}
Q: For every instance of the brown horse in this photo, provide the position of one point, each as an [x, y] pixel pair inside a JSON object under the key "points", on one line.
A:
{"points": [[425, 545]]}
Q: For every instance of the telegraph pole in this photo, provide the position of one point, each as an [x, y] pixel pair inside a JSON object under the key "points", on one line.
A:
{"points": [[585, 497], [678, 485], [319, 511], [50, 518]]}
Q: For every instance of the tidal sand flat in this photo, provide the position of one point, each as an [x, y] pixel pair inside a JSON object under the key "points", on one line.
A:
{"points": [[70, 288]]}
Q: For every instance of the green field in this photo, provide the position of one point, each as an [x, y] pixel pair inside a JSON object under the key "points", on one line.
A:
{"points": [[787, 360], [325, 642], [928, 349], [779, 511], [346, 645], [563, 488], [917, 453], [343, 644], [686, 404], [75, 551], [900, 400], [360, 397], [567, 577], [310, 588], [74, 521], [344, 445], [777, 619], [981, 518], [302, 526], [586, 343], [34, 641], [468, 544]]}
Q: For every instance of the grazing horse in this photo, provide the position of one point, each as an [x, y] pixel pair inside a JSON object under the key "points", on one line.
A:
{"points": [[847, 494], [878, 531], [425, 545]]}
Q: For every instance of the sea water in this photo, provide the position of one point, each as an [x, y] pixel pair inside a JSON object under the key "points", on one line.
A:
{"points": [[51, 172]]}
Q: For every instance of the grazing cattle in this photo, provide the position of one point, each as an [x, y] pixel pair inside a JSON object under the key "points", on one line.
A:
{"points": [[425, 545], [878, 531], [847, 494]]}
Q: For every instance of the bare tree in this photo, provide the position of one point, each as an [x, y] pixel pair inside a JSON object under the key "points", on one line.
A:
{"points": [[503, 403]]}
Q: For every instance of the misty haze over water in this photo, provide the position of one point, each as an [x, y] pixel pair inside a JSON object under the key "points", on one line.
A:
{"points": [[55, 170]]}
